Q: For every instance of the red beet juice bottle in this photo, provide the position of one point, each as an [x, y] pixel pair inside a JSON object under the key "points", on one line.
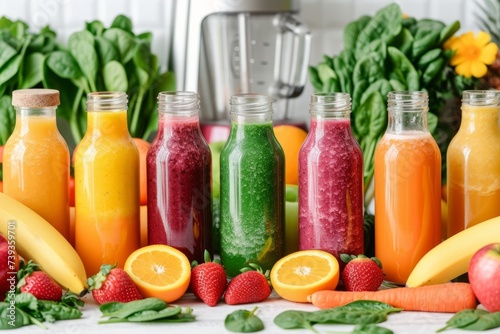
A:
{"points": [[331, 180], [179, 178]]}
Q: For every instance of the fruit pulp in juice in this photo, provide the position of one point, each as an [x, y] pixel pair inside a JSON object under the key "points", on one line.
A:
{"points": [[106, 192], [179, 196], [407, 202], [36, 170], [331, 190], [473, 169], [252, 225]]}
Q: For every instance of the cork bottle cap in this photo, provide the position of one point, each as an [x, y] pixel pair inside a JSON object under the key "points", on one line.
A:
{"points": [[35, 98]]}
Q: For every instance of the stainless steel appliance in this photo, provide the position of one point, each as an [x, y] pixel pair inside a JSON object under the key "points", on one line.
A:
{"points": [[225, 47]]}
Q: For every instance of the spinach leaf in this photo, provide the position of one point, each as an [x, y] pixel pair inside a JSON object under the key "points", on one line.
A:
{"points": [[80, 36], [122, 22], [123, 310], [448, 31], [63, 64], [86, 57], [51, 311], [95, 27], [150, 315], [291, 319], [243, 321], [370, 329], [376, 49], [6, 53], [404, 41], [11, 68], [115, 78], [32, 70], [475, 320], [367, 69], [402, 69], [106, 50], [352, 31], [325, 73], [385, 25], [433, 70], [315, 80], [123, 41], [428, 58], [426, 41], [8, 117]]}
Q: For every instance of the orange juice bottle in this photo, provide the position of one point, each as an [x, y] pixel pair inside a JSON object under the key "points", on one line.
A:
{"points": [[473, 162], [407, 187], [107, 209], [36, 158]]}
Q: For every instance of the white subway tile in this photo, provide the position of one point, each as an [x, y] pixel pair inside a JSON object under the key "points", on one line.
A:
{"points": [[337, 13], [77, 12], [147, 13], [446, 10], [107, 10], [15, 9]]}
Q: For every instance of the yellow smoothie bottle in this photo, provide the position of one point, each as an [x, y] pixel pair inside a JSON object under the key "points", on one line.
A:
{"points": [[36, 158], [107, 209], [473, 162]]}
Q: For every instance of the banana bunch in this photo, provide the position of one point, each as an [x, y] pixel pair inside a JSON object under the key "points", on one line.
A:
{"points": [[37, 240], [452, 257]]}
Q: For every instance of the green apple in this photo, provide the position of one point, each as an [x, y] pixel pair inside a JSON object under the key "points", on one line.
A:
{"points": [[216, 148], [291, 218]]}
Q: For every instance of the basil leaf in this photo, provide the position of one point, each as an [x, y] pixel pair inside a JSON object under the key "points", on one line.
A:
{"points": [[150, 315], [243, 321]]}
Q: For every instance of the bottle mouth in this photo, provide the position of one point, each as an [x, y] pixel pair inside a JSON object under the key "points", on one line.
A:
{"points": [[179, 103], [330, 104], [408, 101], [481, 97], [251, 104], [107, 101]]}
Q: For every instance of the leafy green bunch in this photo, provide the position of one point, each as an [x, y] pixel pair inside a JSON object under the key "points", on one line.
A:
{"points": [[107, 59], [388, 52], [21, 56]]}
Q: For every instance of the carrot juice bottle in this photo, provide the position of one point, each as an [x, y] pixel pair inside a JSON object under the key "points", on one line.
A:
{"points": [[36, 158], [473, 162], [107, 210], [407, 187]]}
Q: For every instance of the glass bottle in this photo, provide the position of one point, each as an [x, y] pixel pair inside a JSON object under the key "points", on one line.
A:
{"points": [[407, 187], [36, 158], [179, 178], [473, 163], [252, 210], [331, 180], [107, 211]]}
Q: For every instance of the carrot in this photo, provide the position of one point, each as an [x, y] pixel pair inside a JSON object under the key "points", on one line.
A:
{"points": [[446, 297]]}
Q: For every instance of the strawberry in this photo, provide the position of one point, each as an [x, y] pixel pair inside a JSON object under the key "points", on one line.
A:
{"points": [[251, 286], [362, 273], [38, 283], [112, 284], [208, 280]]}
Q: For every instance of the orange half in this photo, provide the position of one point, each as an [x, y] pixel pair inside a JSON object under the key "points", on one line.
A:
{"points": [[299, 274], [159, 271]]}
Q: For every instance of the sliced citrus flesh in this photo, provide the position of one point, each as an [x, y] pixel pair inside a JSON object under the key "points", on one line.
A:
{"points": [[159, 271], [299, 274]]}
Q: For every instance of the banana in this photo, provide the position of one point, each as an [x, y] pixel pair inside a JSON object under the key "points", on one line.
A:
{"points": [[451, 257], [36, 239]]}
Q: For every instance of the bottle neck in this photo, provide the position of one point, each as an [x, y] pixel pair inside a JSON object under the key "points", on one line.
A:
{"points": [[251, 109], [407, 112], [28, 119], [107, 114], [480, 112]]}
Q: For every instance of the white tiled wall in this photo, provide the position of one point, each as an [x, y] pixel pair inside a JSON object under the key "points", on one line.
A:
{"points": [[326, 19]]}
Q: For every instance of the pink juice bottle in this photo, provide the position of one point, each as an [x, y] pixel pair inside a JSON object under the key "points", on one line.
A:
{"points": [[179, 178], [331, 180]]}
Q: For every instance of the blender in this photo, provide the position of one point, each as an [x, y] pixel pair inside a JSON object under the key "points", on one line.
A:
{"points": [[226, 47]]}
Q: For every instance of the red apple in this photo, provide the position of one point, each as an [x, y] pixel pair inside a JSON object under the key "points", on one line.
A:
{"points": [[484, 276], [9, 265]]}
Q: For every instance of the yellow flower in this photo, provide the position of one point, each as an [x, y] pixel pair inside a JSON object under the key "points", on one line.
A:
{"points": [[472, 53]]}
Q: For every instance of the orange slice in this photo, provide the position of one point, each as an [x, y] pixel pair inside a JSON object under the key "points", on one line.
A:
{"points": [[299, 274], [159, 271]]}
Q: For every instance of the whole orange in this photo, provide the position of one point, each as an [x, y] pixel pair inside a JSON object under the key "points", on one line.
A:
{"points": [[290, 138], [143, 147]]}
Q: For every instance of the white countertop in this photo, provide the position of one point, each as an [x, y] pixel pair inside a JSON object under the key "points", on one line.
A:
{"points": [[210, 320]]}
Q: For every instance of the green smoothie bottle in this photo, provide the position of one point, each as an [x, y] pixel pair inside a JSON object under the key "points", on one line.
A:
{"points": [[252, 173]]}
